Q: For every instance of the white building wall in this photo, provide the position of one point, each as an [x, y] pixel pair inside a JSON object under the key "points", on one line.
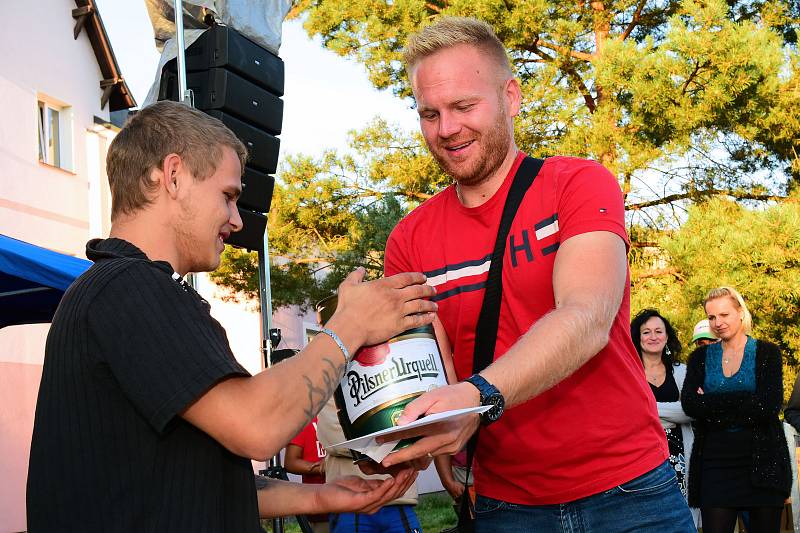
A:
{"points": [[39, 203], [42, 204]]}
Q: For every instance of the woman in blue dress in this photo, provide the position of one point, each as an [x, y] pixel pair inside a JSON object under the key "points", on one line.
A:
{"points": [[734, 391]]}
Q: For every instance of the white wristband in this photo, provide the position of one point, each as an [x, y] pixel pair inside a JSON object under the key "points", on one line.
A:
{"points": [[338, 342]]}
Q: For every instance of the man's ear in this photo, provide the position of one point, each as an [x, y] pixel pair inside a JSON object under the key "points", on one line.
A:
{"points": [[171, 174], [513, 96]]}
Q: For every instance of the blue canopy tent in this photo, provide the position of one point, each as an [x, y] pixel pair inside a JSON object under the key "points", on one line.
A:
{"points": [[33, 280]]}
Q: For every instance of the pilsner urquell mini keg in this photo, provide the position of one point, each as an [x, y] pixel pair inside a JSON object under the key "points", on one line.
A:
{"points": [[381, 380]]}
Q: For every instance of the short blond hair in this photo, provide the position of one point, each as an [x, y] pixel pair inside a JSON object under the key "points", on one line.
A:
{"points": [[738, 302], [448, 32], [151, 135]]}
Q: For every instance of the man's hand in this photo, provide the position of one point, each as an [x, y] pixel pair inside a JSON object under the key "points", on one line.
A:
{"points": [[444, 467], [446, 437], [353, 494], [382, 308], [317, 468], [371, 468], [344, 495], [454, 488]]}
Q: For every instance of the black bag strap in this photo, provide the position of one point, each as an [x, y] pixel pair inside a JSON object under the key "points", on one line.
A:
{"points": [[489, 317]]}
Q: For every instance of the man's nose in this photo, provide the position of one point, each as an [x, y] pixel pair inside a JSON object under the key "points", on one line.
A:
{"points": [[448, 125], [235, 220]]}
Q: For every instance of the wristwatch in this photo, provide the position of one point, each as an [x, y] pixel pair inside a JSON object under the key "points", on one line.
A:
{"points": [[489, 396]]}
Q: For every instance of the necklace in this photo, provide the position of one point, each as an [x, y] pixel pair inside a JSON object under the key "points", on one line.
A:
{"points": [[727, 358], [655, 374]]}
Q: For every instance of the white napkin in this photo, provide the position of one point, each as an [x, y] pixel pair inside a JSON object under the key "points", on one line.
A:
{"points": [[368, 444]]}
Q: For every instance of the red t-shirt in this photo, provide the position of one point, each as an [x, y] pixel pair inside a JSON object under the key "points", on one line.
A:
{"points": [[313, 451], [599, 427]]}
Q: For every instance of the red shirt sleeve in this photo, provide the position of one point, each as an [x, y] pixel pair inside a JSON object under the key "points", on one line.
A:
{"points": [[589, 199]]}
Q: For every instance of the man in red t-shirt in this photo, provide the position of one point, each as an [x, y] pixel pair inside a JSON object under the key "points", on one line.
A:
{"points": [[572, 439], [305, 457]]}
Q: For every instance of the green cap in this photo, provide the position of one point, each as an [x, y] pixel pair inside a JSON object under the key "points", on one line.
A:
{"points": [[702, 330]]}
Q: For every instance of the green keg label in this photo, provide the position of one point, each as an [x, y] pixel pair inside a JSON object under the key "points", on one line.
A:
{"points": [[362, 385], [382, 379]]}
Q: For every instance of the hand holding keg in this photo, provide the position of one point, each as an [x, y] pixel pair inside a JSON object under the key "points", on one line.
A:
{"points": [[445, 437], [373, 311]]}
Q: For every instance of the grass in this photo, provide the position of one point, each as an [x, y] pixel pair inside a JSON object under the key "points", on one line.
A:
{"points": [[435, 512]]}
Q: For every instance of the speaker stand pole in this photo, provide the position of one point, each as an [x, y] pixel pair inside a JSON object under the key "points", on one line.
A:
{"points": [[184, 94], [266, 338]]}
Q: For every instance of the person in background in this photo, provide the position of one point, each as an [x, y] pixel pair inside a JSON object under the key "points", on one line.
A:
{"points": [[452, 470], [734, 391], [305, 456], [659, 348], [702, 334], [792, 412]]}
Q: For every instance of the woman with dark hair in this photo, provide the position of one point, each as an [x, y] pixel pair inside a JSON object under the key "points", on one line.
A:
{"points": [[658, 347], [734, 391]]}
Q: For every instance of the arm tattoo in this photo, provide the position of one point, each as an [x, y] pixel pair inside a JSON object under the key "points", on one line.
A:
{"points": [[318, 394]]}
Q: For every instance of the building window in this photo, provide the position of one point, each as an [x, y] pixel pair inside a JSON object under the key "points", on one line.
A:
{"points": [[55, 139]]}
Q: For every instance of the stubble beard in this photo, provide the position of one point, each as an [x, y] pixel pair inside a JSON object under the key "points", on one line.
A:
{"points": [[191, 245], [496, 143]]}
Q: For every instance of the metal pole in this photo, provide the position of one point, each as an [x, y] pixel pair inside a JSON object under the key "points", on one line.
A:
{"points": [[266, 343], [184, 94], [265, 297]]}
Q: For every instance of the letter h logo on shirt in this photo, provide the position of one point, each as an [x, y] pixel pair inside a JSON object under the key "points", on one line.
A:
{"points": [[544, 229]]}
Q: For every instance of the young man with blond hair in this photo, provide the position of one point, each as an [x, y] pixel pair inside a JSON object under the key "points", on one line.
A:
{"points": [[578, 445], [145, 422]]}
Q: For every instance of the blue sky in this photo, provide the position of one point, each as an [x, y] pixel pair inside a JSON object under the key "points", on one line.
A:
{"points": [[325, 95]]}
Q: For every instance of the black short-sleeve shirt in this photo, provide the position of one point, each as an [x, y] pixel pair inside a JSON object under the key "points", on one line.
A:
{"points": [[129, 349]]}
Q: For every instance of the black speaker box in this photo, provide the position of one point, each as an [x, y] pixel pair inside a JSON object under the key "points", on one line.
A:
{"points": [[262, 146], [251, 236], [222, 46], [218, 89], [238, 82], [257, 190]]}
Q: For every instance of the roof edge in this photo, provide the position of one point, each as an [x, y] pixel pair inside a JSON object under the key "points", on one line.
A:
{"points": [[116, 92]]}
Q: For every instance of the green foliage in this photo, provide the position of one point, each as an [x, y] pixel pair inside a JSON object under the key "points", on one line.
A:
{"points": [[633, 84], [685, 100], [722, 243]]}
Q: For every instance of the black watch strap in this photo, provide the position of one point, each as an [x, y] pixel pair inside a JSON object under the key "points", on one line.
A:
{"points": [[490, 396]]}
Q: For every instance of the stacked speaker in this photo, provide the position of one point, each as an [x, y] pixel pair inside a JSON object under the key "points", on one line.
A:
{"points": [[240, 83]]}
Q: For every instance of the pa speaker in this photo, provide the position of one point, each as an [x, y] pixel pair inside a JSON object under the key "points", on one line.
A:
{"points": [[224, 47], [220, 90], [240, 83], [251, 236], [257, 190], [262, 146]]}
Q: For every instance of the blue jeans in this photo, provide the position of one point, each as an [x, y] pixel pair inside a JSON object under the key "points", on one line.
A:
{"points": [[650, 503], [389, 519]]}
